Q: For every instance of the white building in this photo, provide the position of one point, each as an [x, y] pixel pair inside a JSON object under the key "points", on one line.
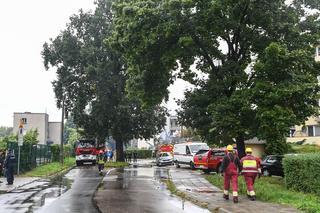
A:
{"points": [[49, 132]]}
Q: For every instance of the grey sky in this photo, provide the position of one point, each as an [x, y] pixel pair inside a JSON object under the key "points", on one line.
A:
{"points": [[24, 83]]}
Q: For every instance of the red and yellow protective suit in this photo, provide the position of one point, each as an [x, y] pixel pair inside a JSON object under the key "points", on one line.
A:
{"points": [[250, 170]]}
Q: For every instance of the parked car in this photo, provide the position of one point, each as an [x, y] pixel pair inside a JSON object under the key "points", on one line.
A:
{"points": [[183, 153], [209, 160], [164, 158], [272, 165]]}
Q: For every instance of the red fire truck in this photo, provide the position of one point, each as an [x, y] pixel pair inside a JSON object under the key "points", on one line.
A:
{"points": [[86, 151], [166, 148]]}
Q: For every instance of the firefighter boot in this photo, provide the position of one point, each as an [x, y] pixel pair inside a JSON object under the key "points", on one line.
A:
{"points": [[226, 195], [252, 195], [235, 197], [248, 195]]}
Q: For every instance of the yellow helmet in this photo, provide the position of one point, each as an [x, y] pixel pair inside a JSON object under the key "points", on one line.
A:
{"points": [[230, 148], [248, 150]]}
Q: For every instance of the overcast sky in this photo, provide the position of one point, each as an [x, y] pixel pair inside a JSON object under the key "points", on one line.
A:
{"points": [[24, 83]]}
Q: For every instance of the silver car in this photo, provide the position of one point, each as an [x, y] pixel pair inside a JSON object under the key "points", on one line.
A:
{"points": [[164, 158]]}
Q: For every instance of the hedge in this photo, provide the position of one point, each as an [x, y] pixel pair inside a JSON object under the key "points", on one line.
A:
{"points": [[68, 151], [302, 172], [141, 154]]}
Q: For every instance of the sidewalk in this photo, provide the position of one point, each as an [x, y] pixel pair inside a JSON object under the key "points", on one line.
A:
{"points": [[18, 182], [199, 190]]}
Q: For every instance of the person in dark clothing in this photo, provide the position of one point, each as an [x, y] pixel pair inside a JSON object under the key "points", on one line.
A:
{"points": [[230, 167], [129, 155], [9, 165], [2, 158], [135, 155]]}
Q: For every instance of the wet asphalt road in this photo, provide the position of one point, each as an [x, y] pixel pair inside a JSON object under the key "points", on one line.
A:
{"points": [[132, 190], [70, 193], [140, 190], [79, 197]]}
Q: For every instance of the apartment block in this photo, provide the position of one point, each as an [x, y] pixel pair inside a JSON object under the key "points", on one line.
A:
{"points": [[49, 132]]}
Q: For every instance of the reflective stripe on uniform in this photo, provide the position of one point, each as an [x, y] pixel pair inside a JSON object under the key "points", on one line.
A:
{"points": [[251, 171]]}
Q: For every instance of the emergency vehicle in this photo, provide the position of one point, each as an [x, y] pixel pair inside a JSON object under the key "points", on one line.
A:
{"points": [[86, 151], [209, 160], [183, 153]]}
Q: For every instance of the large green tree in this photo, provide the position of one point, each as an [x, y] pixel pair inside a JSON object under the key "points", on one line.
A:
{"points": [[91, 81], [244, 93]]}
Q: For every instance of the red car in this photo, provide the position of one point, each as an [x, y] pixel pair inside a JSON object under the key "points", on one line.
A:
{"points": [[209, 160]]}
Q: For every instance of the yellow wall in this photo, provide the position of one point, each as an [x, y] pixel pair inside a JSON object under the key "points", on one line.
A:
{"points": [[258, 150]]}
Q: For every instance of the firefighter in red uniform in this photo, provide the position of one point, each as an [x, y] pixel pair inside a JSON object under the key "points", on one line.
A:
{"points": [[230, 167], [250, 170]]}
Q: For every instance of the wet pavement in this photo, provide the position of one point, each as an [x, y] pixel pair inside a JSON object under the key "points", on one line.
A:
{"points": [[79, 197], [71, 193], [140, 190]]}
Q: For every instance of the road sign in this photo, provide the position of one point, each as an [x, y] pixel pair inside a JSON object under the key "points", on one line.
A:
{"points": [[20, 137]]}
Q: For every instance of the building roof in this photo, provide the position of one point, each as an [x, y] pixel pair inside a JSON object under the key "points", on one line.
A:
{"points": [[255, 140]]}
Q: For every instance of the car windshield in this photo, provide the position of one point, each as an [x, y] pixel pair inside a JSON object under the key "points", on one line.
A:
{"points": [[202, 151], [164, 154], [85, 145], [196, 147], [218, 153], [272, 159]]}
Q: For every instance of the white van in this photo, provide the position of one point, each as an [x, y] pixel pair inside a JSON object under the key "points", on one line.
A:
{"points": [[183, 153]]}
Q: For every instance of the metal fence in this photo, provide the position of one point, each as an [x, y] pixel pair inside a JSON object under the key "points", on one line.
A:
{"points": [[31, 155]]}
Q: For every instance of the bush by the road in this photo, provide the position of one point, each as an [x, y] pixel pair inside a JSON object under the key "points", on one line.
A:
{"points": [[68, 151], [273, 189], [302, 172], [141, 153]]}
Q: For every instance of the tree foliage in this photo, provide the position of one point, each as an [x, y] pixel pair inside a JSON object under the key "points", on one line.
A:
{"points": [[91, 81], [257, 57]]}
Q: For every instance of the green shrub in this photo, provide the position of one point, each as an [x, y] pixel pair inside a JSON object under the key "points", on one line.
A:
{"points": [[68, 151], [55, 151], [141, 153], [302, 172]]}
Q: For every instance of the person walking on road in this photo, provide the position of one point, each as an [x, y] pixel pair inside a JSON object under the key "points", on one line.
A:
{"points": [[2, 158], [9, 165], [230, 167], [250, 170]]}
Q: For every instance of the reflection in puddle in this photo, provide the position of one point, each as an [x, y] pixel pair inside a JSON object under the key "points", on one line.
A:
{"points": [[47, 193], [144, 181]]}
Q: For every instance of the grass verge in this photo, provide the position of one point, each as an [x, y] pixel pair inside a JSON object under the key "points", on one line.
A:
{"points": [[50, 168], [272, 189], [115, 164]]}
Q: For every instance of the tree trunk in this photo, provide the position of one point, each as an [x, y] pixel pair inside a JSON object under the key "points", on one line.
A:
{"points": [[119, 149], [240, 146]]}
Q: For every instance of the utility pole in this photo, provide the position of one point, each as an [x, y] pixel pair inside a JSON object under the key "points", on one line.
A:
{"points": [[20, 143], [62, 128]]}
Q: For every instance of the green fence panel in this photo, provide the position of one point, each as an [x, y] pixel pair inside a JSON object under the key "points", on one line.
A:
{"points": [[31, 155]]}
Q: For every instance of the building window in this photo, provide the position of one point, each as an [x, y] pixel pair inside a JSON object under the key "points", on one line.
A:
{"points": [[24, 120], [316, 130], [292, 131], [310, 131]]}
